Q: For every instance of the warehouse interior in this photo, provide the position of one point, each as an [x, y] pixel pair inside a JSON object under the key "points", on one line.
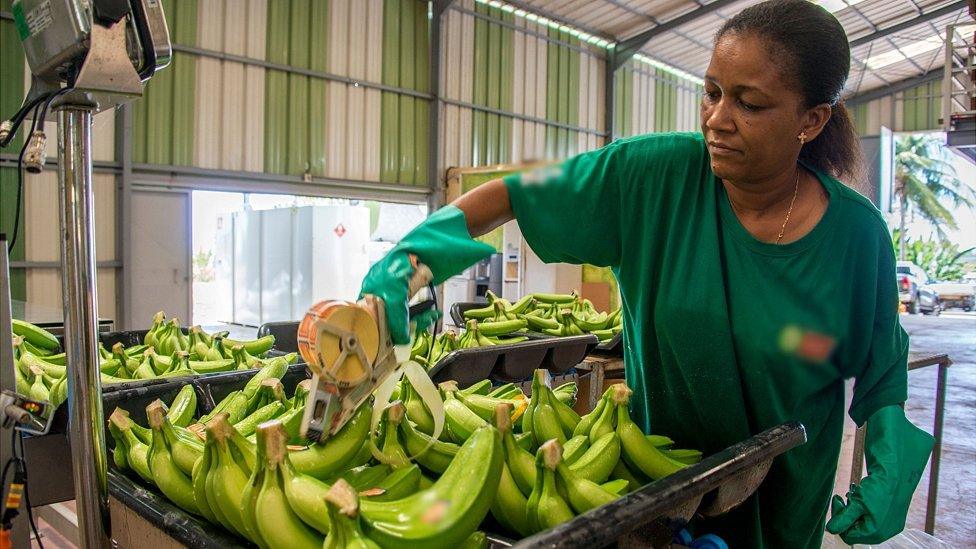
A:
{"points": [[290, 144]]}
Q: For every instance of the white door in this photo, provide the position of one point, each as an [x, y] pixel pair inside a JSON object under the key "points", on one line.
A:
{"points": [[160, 257]]}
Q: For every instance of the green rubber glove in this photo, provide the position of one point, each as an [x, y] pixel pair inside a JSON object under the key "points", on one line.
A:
{"points": [[443, 243], [896, 453]]}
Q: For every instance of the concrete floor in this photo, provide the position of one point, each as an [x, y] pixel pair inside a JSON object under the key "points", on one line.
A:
{"points": [[953, 333]]}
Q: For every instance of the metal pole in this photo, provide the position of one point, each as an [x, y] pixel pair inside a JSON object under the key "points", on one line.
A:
{"points": [[81, 325], [940, 397]]}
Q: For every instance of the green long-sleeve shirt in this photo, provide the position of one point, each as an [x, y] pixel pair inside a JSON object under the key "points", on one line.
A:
{"points": [[725, 335]]}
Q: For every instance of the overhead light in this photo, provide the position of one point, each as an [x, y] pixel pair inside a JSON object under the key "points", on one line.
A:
{"points": [[912, 49]]}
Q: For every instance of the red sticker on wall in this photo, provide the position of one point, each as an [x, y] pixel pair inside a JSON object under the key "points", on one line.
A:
{"points": [[340, 230]]}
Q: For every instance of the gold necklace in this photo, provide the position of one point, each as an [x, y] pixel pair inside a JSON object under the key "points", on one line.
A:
{"points": [[796, 189]]}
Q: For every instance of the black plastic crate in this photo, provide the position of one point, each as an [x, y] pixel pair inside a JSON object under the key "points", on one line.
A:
{"points": [[514, 361], [646, 517], [611, 347]]}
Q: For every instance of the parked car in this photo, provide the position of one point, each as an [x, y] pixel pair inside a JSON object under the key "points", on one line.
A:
{"points": [[954, 294], [912, 291]]}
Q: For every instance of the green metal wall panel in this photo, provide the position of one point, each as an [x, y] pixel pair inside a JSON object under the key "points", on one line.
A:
{"points": [[421, 137], [552, 96], [573, 99], [11, 98], [317, 87], [628, 103], [298, 56], [408, 54], [276, 89], [860, 115], [505, 126], [182, 75], [494, 86], [390, 119], [479, 94], [922, 107]]}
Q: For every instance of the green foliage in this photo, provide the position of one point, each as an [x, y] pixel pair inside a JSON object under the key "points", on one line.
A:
{"points": [[925, 181], [941, 259]]}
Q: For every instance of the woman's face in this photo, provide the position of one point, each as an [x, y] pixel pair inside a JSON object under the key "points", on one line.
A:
{"points": [[750, 116]]}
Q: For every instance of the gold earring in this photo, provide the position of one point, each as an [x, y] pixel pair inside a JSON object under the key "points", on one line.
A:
{"points": [[802, 137]]}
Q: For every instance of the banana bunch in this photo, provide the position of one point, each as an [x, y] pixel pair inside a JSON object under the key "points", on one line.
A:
{"points": [[551, 314]]}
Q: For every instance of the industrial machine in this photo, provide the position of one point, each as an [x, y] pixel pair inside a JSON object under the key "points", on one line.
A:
{"points": [[351, 354], [85, 56]]}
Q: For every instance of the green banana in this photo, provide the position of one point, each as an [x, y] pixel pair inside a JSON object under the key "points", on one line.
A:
{"points": [[434, 455], [683, 455], [661, 442], [267, 412], [525, 441], [545, 507], [575, 447], [555, 298], [598, 460], [539, 323], [499, 328], [275, 368], [448, 512], [581, 493], [137, 452], [622, 472], [120, 449], [157, 324], [256, 347], [482, 387], [173, 482], [273, 517], [604, 423], [228, 476], [545, 421], [343, 508], [484, 406], [35, 336], [617, 487], [480, 314], [235, 407], [198, 477], [365, 477], [219, 407], [183, 407], [523, 305], [568, 417], [322, 460], [502, 391], [637, 451], [184, 446], [391, 451], [399, 484], [417, 410], [243, 359], [301, 393], [520, 462], [566, 393], [38, 389], [461, 422], [509, 505]]}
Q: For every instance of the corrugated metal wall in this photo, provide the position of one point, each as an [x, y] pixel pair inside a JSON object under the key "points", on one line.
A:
{"points": [[540, 89], [648, 99], [915, 109], [38, 239], [339, 89]]}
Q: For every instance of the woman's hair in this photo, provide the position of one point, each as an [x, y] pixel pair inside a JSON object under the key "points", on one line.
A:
{"points": [[814, 53]]}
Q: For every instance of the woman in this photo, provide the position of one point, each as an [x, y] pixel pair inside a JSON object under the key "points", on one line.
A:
{"points": [[753, 281]]}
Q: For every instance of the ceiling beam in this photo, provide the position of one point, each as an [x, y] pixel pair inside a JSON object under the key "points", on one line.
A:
{"points": [[895, 87], [552, 16], [627, 48], [915, 21]]}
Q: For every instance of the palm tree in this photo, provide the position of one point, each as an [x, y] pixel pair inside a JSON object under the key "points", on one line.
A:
{"points": [[924, 178]]}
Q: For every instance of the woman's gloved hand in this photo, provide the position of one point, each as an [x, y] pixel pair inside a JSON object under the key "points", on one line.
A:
{"points": [[443, 243], [896, 452]]}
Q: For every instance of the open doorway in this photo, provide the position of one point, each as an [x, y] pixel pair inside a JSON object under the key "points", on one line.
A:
{"points": [[261, 258]]}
